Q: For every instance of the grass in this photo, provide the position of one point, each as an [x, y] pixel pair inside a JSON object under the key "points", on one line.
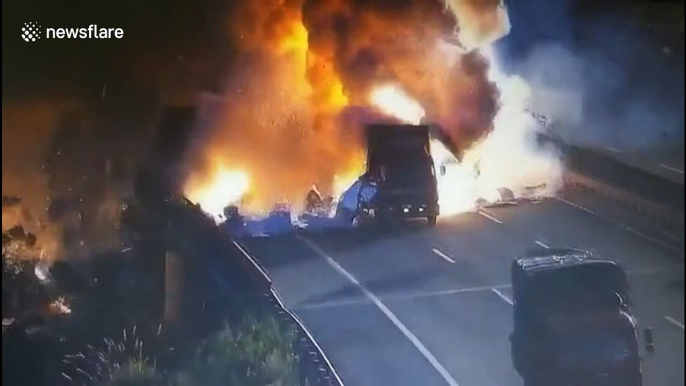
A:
{"points": [[255, 353], [112, 294], [135, 372]]}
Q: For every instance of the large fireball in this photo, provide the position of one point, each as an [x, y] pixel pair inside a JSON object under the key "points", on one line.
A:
{"points": [[311, 73]]}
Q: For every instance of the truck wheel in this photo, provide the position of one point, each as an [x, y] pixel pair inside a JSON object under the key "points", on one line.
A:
{"points": [[431, 220]]}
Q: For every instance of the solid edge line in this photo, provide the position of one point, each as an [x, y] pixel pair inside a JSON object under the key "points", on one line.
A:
{"points": [[620, 225], [276, 295], [332, 369], [443, 255], [253, 261], [502, 296], [612, 149], [386, 311], [671, 168]]}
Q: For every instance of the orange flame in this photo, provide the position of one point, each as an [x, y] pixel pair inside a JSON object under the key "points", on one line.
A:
{"points": [[503, 159], [226, 187], [280, 128]]}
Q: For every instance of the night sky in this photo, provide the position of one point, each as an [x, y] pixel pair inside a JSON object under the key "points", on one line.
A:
{"points": [[156, 34]]}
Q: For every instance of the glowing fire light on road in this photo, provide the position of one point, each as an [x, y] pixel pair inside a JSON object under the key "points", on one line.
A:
{"points": [[226, 187]]}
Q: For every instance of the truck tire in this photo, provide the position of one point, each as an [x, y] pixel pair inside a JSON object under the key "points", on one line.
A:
{"points": [[431, 220]]}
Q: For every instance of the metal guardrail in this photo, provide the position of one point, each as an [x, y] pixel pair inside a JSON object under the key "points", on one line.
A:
{"points": [[315, 367], [637, 190], [179, 215]]}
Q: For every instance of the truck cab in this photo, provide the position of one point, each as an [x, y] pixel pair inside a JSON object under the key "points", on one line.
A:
{"points": [[573, 324], [400, 167]]}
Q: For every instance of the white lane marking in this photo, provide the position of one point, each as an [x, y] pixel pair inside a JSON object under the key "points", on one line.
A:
{"points": [[443, 255], [488, 216], [252, 260], [625, 227], [502, 296], [671, 168], [405, 296], [540, 244], [387, 312], [612, 149], [674, 322]]}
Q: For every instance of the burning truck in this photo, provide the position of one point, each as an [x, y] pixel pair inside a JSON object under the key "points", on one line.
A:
{"points": [[400, 179], [295, 111]]}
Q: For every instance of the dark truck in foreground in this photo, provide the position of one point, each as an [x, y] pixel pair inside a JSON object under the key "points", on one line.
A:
{"points": [[400, 168], [572, 321]]}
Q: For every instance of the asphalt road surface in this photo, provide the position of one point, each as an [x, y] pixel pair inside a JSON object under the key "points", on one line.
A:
{"points": [[666, 161], [421, 306]]}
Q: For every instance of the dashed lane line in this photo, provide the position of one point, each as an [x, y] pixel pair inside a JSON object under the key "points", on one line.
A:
{"points": [[386, 311], [540, 244], [443, 255], [502, 296], [674, 322], [671, 169], [490, 217]]}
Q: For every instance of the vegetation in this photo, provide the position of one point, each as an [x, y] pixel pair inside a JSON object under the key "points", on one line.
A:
{"points": [[135, 372], [105, 296], [256, 353]]}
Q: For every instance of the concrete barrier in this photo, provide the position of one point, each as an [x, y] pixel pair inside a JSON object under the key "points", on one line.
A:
{"points": [[637, 190], [670, 217]]}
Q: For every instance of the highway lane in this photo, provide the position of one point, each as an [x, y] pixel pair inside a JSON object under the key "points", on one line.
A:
{"points": [[666, 160], [420, 306]]}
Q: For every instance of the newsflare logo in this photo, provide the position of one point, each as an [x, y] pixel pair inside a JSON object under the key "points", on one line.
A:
{"points": [[31, 32]]}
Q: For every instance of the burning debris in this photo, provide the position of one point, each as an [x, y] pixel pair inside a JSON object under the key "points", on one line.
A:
{"points": [[312, 74], [59, 306]]}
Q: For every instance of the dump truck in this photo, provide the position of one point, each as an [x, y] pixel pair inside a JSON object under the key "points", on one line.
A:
{"points": [[573, 323], [401, 170]]}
